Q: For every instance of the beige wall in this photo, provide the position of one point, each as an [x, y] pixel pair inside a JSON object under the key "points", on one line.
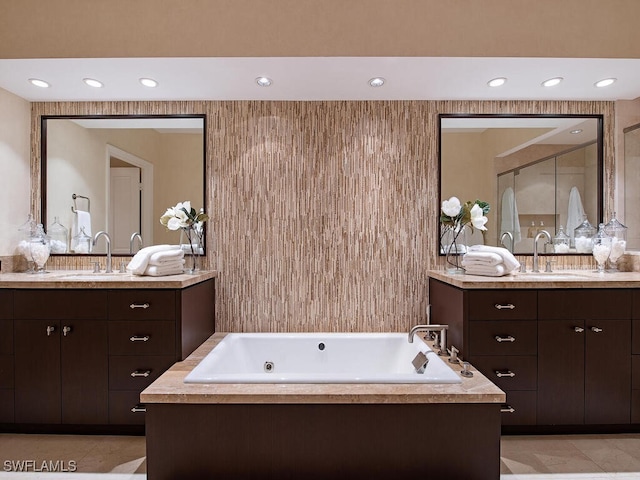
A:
{"points": [[14, 167], [252, 28]]}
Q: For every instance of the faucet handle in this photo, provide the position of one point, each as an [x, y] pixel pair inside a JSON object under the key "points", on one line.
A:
{"points": [[96, 267], [548, 267], [453, 358], [523, 266]]}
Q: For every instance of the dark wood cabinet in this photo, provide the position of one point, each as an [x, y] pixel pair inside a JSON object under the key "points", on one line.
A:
{"points": [[562, 356], [73, 357], [584, 352], [6, 357], [60, 356]]}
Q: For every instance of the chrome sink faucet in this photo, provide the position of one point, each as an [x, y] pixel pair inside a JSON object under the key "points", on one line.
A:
{"points": [[107, 239], [133, 239], [542, 233], [510, 235], [441, 329]]}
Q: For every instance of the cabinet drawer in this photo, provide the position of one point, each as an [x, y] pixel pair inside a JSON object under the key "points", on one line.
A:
{"points": [[503, 338], [136, 372], [6, 337], [121, 405], [584, 304], [6, 371], [145, 337], [6, 304], [142, 304], [509, 372], [520, 408], [502, 305], [60, 304]]}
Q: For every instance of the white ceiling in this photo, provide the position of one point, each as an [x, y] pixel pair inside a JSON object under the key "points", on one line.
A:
{"points": [[324, 78]]}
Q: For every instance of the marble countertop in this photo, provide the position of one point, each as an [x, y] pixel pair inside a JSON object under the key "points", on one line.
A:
{"points": [[170, 388], [556, 279], [87, 279]]}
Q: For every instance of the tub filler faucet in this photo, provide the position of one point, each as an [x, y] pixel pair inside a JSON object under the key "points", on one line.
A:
{"points": [[441, 342]]}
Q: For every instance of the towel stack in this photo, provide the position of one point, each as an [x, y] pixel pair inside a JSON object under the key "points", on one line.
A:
{"points": [[157, 261], [489, 261]]}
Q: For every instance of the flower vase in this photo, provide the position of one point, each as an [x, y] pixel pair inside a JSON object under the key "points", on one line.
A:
{"points": [[190, 244], [454, 246]]}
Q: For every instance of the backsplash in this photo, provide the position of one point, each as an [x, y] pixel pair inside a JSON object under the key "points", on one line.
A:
{"points": [[323, 214]]}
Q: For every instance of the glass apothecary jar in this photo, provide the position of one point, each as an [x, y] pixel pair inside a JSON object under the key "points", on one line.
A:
{"points": [[27, 230], [561, 242], [583, 237], [618, 233], [81, 243], [59, 237], [39, 248], [601, 247]]}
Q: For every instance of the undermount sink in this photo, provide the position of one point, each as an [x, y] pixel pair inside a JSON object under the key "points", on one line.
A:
{"points": [[551, 276], [96, 276]]}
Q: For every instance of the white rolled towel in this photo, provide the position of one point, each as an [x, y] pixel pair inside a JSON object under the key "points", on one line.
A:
{"points": [[510, 262], [486, 270], [483, 258], [140, 260]]}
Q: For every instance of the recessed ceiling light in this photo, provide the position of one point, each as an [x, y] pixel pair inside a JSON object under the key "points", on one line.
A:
{"points": [[148, 82], [264, 81], [605, 82], [576, 131], [376, 82], [93, 82], [39, 83], [552, 82], [497, 82]]}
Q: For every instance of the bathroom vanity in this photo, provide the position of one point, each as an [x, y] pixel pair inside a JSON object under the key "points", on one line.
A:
{"points": [[76, 349], [564, 346]]}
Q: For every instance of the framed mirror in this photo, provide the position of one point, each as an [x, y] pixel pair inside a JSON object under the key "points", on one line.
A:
{"points": [[119, 174], [535, 171]]}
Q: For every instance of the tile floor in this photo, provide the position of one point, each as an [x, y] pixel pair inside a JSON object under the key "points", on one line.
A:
{"points": [[583, 457]]}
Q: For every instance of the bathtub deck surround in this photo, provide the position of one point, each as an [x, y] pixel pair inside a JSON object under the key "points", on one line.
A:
{"points": [[313, 430]]}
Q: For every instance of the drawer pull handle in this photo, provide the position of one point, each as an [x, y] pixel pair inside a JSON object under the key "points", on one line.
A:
{"points": [[596, 329], [137, 338], [139, 305], [508, 338], [140, 408], [507, 409], [578, 329], [141, 373], [504, 373], [50, 330], [508, 306]]}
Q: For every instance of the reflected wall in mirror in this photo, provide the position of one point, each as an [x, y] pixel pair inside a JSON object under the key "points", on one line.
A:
{"points": [[631, 181], [125, 171], [536, 172]]}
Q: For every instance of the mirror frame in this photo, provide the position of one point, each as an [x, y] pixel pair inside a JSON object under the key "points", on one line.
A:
{"points": [[43, 162], [600, 163]]}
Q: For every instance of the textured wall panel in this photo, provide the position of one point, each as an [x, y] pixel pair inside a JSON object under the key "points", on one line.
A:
{"points": [[324, 215]]}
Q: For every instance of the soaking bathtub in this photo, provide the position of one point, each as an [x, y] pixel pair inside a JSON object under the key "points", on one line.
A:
{"points": [[319, 358]]}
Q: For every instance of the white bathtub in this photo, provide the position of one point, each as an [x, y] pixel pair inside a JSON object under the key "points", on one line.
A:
{"points": [[319, 358]]}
